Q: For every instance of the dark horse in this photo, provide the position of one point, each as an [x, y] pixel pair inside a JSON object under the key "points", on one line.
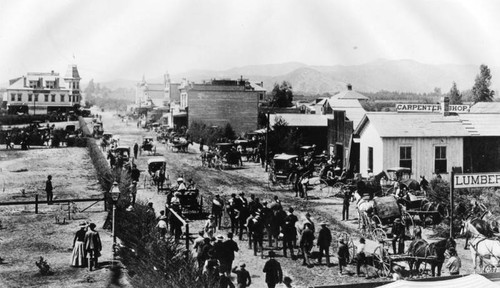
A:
{"points": [[432, 253], [371, 187]]}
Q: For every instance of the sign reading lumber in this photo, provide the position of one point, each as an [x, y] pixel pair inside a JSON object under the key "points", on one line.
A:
{"points": [[430, 108], [477, 180]]}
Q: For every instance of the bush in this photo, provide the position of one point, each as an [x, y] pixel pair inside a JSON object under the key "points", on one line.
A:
{"points": [[44, 267]]}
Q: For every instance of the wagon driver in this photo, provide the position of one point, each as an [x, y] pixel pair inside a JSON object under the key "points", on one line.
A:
{"points": [[398, 232], [181, 187]]}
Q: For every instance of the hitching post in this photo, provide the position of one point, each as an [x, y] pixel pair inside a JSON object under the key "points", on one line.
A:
{"points": [[452, 185]]}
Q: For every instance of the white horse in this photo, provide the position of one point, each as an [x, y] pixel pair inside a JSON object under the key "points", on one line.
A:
{"points": [[363, 205], [480, 245]]}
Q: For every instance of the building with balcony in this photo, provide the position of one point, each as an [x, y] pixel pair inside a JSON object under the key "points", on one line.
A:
{"points": [[45, 92]]}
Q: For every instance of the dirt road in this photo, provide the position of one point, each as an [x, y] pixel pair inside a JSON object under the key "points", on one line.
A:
{"points": [[251, 179]]}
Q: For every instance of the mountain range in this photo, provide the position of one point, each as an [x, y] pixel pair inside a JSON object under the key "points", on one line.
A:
{"points": [[389, 75]]}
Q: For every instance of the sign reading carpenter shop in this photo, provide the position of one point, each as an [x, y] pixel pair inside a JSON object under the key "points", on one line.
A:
{"points": [[477, 180], [430, 108]]}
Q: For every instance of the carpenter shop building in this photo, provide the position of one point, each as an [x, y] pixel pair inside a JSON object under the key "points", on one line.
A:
{"points": [[42, 93], [430, 142]]}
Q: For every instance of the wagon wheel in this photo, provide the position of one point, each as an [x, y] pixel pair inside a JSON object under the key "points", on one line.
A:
{"points": [[376, 221], [383, 267], [367, 225], [408, 222], [350, 245], [338, 189], [325, 189], [379, 234], [489, 268]]}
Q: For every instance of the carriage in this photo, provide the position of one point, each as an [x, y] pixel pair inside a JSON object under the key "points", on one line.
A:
{"points": [[282, 173], [399, 175], [375, 223], [247, 149], [226, 156], [154, 165], [180, 144], [98, 130], [190, 201], [148, 145], [123, 153]]}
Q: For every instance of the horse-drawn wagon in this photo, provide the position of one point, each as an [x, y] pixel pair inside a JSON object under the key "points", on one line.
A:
{"points": [[247, 149], [282, 172], [154, 166], [226, 156], [179, 144], [148, 145]]}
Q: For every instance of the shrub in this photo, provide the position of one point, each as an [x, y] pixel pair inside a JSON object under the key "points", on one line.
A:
{"points": [[44, 267]]}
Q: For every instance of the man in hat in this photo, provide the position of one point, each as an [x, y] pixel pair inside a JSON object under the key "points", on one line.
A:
{"points": [[243, 215], [136, 149], [306, 244], [217, 209], [48, 189], [133, 192], [218, 250], [135, 174], [272, 268], [93, 246], [230, 247], [210, 226], [233, 209], [258, 234], [345, 205], [398, 236], [203, 255], [324, 241], [343, 255], [290, 233], [309, 221], [243, 278]]}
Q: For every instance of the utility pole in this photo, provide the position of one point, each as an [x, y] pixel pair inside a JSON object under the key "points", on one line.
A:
{"points": [[267, 136]]}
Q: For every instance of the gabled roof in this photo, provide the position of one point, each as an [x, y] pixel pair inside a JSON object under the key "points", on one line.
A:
{"points": [[349, 94], [353, 109], [485, 107], [302, 120], [392, 124]]}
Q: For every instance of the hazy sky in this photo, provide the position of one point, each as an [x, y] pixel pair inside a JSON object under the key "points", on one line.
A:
{"points": [[124, 39]]}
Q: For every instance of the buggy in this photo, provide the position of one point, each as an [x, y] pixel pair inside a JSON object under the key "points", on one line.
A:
{"points": [[98, 130], [283, 172], [122, 152], [148, 145], [226, 156], [247, 149], [154, 165]]}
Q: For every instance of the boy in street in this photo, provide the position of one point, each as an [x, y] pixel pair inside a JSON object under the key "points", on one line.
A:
{"points": [[243, 278]]}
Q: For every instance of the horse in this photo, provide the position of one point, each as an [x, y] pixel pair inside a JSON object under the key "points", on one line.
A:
{"points": [[480, 245], [433, 253], [492, 220], [480, 226], [207, 158]]}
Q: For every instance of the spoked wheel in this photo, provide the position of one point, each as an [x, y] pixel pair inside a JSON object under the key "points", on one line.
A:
{"points": [[338, 189], [350, 245], [379, 234], [325, 189], [489, 268], [383, 266]]}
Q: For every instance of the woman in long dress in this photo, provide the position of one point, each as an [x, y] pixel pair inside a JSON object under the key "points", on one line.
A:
{"points": [[78, 255]]}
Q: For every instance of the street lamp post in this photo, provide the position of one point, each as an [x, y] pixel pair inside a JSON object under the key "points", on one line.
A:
{"points": [[115, 194]]}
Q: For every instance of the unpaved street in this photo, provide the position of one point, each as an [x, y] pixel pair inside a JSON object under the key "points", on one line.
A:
{"points": [[251, 180]]}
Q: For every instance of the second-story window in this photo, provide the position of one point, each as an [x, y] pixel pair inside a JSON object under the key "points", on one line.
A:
{"points": [[19, 97], [46, 97], [13, 97], [36, 97], [53, 97], [30, 97], [62, 97]]}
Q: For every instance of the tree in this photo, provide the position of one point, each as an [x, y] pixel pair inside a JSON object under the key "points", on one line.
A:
{"points": [[455, 96], [481, 89], [282, 95]]}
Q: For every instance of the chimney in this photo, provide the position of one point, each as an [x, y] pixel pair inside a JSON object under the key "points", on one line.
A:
{"points": [[349, 86], [445, 106], [52, 72]]}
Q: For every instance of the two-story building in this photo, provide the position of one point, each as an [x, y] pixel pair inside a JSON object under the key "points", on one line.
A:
{"points": [[42, 93], [217, 103]]}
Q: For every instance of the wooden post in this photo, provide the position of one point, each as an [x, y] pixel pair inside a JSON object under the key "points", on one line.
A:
{"points": [[69, 210], [187, 237], [36, 203], [452, 186]]}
